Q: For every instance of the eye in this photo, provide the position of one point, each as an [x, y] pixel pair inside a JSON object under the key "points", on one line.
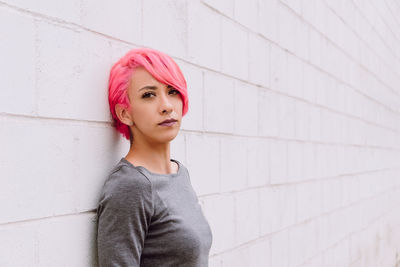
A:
{"points": [[174, 91], [147, 95]]}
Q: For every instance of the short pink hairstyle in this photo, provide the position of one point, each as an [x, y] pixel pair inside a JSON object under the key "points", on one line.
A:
{"points": [[161, 66]]}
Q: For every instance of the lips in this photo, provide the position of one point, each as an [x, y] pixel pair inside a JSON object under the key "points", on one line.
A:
{"points": [[167, 121]]}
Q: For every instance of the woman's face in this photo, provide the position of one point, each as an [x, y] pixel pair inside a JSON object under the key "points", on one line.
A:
{"points": [[152, 102]]}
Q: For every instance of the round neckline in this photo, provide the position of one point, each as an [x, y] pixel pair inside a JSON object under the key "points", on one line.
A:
{"points": [[153, 173]]}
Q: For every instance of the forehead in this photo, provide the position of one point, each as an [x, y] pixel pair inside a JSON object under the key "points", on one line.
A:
{"points": [[141, 77]]}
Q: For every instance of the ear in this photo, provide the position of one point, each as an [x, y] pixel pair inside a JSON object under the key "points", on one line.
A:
{"points": [[123, 114]]}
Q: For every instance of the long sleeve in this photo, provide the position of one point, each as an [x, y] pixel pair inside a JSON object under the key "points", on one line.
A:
{"points": [[124, 214]]}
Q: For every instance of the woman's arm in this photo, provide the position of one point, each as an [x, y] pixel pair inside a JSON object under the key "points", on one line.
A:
{"points": [[124, 214]]}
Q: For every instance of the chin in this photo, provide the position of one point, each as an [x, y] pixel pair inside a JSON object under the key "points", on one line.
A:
{"points": [[172, 137], [166, 138]]}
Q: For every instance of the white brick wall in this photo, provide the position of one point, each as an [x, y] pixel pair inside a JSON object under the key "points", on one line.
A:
{"points": [[292, 138]]}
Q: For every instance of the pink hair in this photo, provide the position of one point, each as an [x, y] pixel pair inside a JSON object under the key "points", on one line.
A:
{"points": [[160, 65]]}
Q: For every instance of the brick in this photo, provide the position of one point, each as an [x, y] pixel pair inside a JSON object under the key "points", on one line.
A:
{"points": [[321, 161], [234, 57], [203, 159], [218, 103], [49, 242], [224, 7], [340, 158], [314, 11], [233, 167], [302, 39], [78, 230], [237, 258], [193, 120], [310, 247], [300, 239], [325, 125], [259, 60], [268, 17], [339, 120], [336, 6], [328, 56], [309, 200], [34, 192], [332, 228], [345, 226], [244, 13], [259, 254], [284, 208], [68, 11], [73, 67], [353, 75], [347, 130], [119, 49], [279, 69], [341, 96], [17, 61], [334, 27], [348, 154], [320, 90], [245, 112], [267, 113], [286, 117], [315, 47], [279, 252], [258, 162], [302, 127], [102, 143], [279, 164], [337, 255], [332, 195], [294, 5], [308, 83], [333, 94], [204, 35], [129, 13], [247, 216], [267, 209], [295, 160], [178, 148], [341, 64], [219, 209], [332, 160], [173, 16], [295, 76], [315, 122], [286, 28], [309, 161], [17, 246], [214, 261], [315, 261]]}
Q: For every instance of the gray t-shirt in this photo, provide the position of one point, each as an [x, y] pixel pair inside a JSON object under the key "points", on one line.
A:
{"points": [[151, 220]]}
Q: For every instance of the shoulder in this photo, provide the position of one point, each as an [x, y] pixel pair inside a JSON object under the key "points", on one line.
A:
{"points": [[126, 194], [181, 166], [125, 181], [125, 175]]}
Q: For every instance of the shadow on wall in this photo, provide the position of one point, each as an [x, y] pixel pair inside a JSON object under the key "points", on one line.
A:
{"points": [[114, 148], [94, 258]]}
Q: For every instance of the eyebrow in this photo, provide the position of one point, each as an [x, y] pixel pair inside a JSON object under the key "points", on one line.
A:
{"points": [[152, 87]]}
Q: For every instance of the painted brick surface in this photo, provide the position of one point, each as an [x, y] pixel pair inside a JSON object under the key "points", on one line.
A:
{"points": [[291, 140]]}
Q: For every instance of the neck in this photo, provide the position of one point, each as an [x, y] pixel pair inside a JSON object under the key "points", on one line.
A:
{"points": [[154, 157]]}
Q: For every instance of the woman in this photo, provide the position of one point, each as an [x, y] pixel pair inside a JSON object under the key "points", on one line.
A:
{"points": [[148, 214]]}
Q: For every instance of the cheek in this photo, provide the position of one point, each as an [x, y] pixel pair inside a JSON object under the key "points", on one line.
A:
{"points": [[179, 104], [139, 113]]}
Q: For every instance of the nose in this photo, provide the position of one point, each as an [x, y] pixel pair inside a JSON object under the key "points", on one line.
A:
{"points": [[165, 105]]}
